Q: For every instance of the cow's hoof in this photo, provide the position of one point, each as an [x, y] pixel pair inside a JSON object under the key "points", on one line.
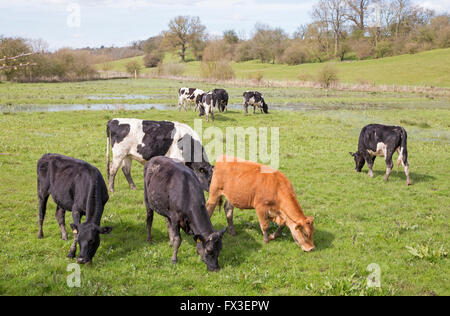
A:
{"points": [[408, 184], [133, 187], [64, 237], [71, 255], [149, 240], [40, 235], [232, 232], [174, 261]]}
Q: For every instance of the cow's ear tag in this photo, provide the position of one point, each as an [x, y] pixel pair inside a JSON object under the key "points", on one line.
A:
{"points": [[198, 239], [75, 231]]}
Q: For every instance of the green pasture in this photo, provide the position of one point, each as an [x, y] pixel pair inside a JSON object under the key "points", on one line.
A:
{"points": [[359, 221], [429, 68]]}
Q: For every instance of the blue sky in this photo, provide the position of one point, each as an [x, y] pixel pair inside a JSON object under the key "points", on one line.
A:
{"points": [[114, 22]]}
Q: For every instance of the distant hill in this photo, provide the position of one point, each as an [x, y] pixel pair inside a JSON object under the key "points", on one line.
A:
{"points": [[430, 68]]}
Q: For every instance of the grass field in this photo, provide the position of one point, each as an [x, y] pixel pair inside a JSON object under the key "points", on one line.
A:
{"points": [[429, 68], [358, 220]]}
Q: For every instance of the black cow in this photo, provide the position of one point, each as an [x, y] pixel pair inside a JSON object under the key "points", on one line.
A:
{"points": [[222, 99], [255, 99], [75, 186], [381, 140], [142, 140], [173, 191]]}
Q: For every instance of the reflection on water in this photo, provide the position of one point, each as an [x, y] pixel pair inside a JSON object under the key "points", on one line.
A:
{"points": [[82, 107]]}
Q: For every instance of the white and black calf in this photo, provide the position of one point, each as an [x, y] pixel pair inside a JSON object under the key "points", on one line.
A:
{"points": [[255, 99], [189, 96], [78, 187], [209, 102], [142, 140], [222, 99], [381, 140], [173, 191]]}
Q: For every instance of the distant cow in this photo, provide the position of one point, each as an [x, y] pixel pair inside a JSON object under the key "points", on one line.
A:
{"points": [[209, 102], [255, 99], [381, 140], [173, 191], [189, 95], [75, 186], [222, 99], [142, 140], [250, 185]]}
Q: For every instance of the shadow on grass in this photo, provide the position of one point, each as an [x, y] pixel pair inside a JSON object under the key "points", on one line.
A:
{"points": [[127, 237], [415, 177]]}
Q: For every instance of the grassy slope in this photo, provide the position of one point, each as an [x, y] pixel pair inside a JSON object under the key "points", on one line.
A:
{"points": [[426, 68], [359, 220]]}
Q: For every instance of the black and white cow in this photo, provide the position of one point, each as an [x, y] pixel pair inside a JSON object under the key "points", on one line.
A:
{"points": [[255, 99], [381, 140], [209, 102], [142, 140], [78, 187], [222, 99], [173, 191], [189, 95]]}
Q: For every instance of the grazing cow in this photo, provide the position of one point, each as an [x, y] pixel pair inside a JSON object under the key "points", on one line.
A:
{"points": [[143, 140], [75, 186], [189, 95], [381, 140], [209, 101], [250, 185], [255, 99], [222, 99], [173, 191]]}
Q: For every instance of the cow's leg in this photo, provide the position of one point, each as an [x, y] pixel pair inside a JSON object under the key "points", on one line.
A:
{"points": [[402, 159], [214, 198], [254, 109], [169, 229], [76, 216], [370, 161], [246, 107], [126, 168], [277, 233], [149, 224], [229, 214], [115, 165], [212, 114], [389, 164], [175, 228], [61, 218], [264, 223], [180, 103], [42, 208]]}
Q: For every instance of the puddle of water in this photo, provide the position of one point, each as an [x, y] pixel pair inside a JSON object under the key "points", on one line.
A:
{"points": [[82, 107], [287, 107], [120, 97]]}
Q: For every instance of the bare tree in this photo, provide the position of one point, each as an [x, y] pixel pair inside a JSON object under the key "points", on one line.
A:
{"points": [[184, 32], [333, 14], [357, 11]]}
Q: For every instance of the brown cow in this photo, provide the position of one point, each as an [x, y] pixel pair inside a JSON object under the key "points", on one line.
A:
{"points": [[249, 185]]}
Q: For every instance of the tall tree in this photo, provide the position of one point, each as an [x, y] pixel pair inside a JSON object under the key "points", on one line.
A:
{"points": [[184, 32], [333, 14], [357, 11]]}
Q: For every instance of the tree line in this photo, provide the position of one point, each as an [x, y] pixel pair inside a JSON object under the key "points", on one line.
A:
{"points": [[339, 30]]}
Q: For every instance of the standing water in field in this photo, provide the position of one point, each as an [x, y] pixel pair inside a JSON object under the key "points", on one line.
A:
{"points": [[81, 107]]}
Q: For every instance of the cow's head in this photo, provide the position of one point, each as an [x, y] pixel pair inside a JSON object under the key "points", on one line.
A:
{"points": [[88, 237], [303, 233], [195, 158], [359, 160], [209, 249], [265, 107]]}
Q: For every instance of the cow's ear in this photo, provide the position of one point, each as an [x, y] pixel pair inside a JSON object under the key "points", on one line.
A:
{"points": [[105, 230], [352, 154], [309, 220], [222, 232], [199, 238]]}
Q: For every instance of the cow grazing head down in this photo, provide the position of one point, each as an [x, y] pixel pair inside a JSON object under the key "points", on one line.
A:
{"points": [[209, 249], [303, 234], [359, 161], [88, 237], [195, 158]]}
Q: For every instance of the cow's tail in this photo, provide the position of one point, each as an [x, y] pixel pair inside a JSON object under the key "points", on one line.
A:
{"points": [[403, 157], [108, 145]]}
